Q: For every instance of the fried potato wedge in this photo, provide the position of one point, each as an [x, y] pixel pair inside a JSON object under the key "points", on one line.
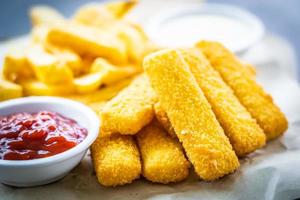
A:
{"points": [[9, 90], [94, 14], [88, 83], [37, 88], [120, 8], [89, 41], [103, 94], [48, 68], [135, 41], [45, 15], [16, 66], [103, 14], [111, 72]]}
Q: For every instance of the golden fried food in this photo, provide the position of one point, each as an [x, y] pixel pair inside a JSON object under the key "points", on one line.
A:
{"points": [[98, 14], [88, 41], [112, 73], [102, 73], [116, 160], [16, 66], [45, 15], [163, 119], [251, 69], [130, 110], [249, 92], [163, 159], [244, 133], [48, 68], [9, 90], [88, 83], [194, 122], [120, 8], [102, 94], [38, 88]]}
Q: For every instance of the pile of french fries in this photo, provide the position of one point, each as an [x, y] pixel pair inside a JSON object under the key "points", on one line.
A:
{"points": [[96, 49]]}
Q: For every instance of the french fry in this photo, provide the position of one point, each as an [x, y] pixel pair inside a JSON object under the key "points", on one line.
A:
{"points": [[194, 122], [9, 90], [16, 66], [135, 42], [130, 110], [163, 119], [89, 41], [102, 94], [94, 14], [163, 159], [88, 82], [116, 160], [249, 92], [102, 14], [120, 8], [244, 133], [48, 68], [37, 88], [111, 72], [45, 15]]}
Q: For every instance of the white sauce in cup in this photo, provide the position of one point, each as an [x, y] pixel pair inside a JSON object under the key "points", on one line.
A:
{"points": [[235, 28]]}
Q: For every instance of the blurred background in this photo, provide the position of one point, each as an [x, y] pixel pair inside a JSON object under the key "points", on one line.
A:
{"points": [[280, 17]]}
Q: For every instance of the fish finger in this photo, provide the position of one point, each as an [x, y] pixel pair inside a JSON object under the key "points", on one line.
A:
{"points": [[249, 92], [130, 110], [163, 160], [116, 160], [194, 122], [244, 133]]}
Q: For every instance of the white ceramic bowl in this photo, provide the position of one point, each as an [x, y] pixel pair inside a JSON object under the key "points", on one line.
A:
{"points": [[45, 170], [157, 25]]}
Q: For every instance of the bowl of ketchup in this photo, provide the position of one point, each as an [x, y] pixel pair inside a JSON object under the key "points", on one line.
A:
{"points": [[43, 138]]}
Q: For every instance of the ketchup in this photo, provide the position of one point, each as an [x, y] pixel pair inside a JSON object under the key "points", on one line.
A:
{"points": [[25, 136]]}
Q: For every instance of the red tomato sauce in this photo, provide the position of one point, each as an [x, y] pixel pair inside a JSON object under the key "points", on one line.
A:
{"points": [[25, 136]]}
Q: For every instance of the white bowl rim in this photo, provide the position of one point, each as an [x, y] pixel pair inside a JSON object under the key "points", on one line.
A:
{"points": [[215, 8], [84, 145]]}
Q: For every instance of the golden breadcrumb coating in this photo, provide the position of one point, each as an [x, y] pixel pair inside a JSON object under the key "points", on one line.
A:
{"points": [[244, 133], [163, 159], [116, 160], [163, 119], [131, 109], [194, 122], [249, 92], [250, 69]]}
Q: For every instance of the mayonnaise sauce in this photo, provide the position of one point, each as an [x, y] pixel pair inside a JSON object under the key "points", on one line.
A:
{"points": [[187, 30]]}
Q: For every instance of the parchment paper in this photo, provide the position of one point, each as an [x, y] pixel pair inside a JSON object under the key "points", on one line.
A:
{"points": [[271, 173]]}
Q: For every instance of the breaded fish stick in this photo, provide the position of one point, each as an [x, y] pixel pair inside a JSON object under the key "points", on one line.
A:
{"points": [[244, 133], [131, 109], [163, 119], [194, 122], [116, 160], [163, 159], [249, 92]]}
